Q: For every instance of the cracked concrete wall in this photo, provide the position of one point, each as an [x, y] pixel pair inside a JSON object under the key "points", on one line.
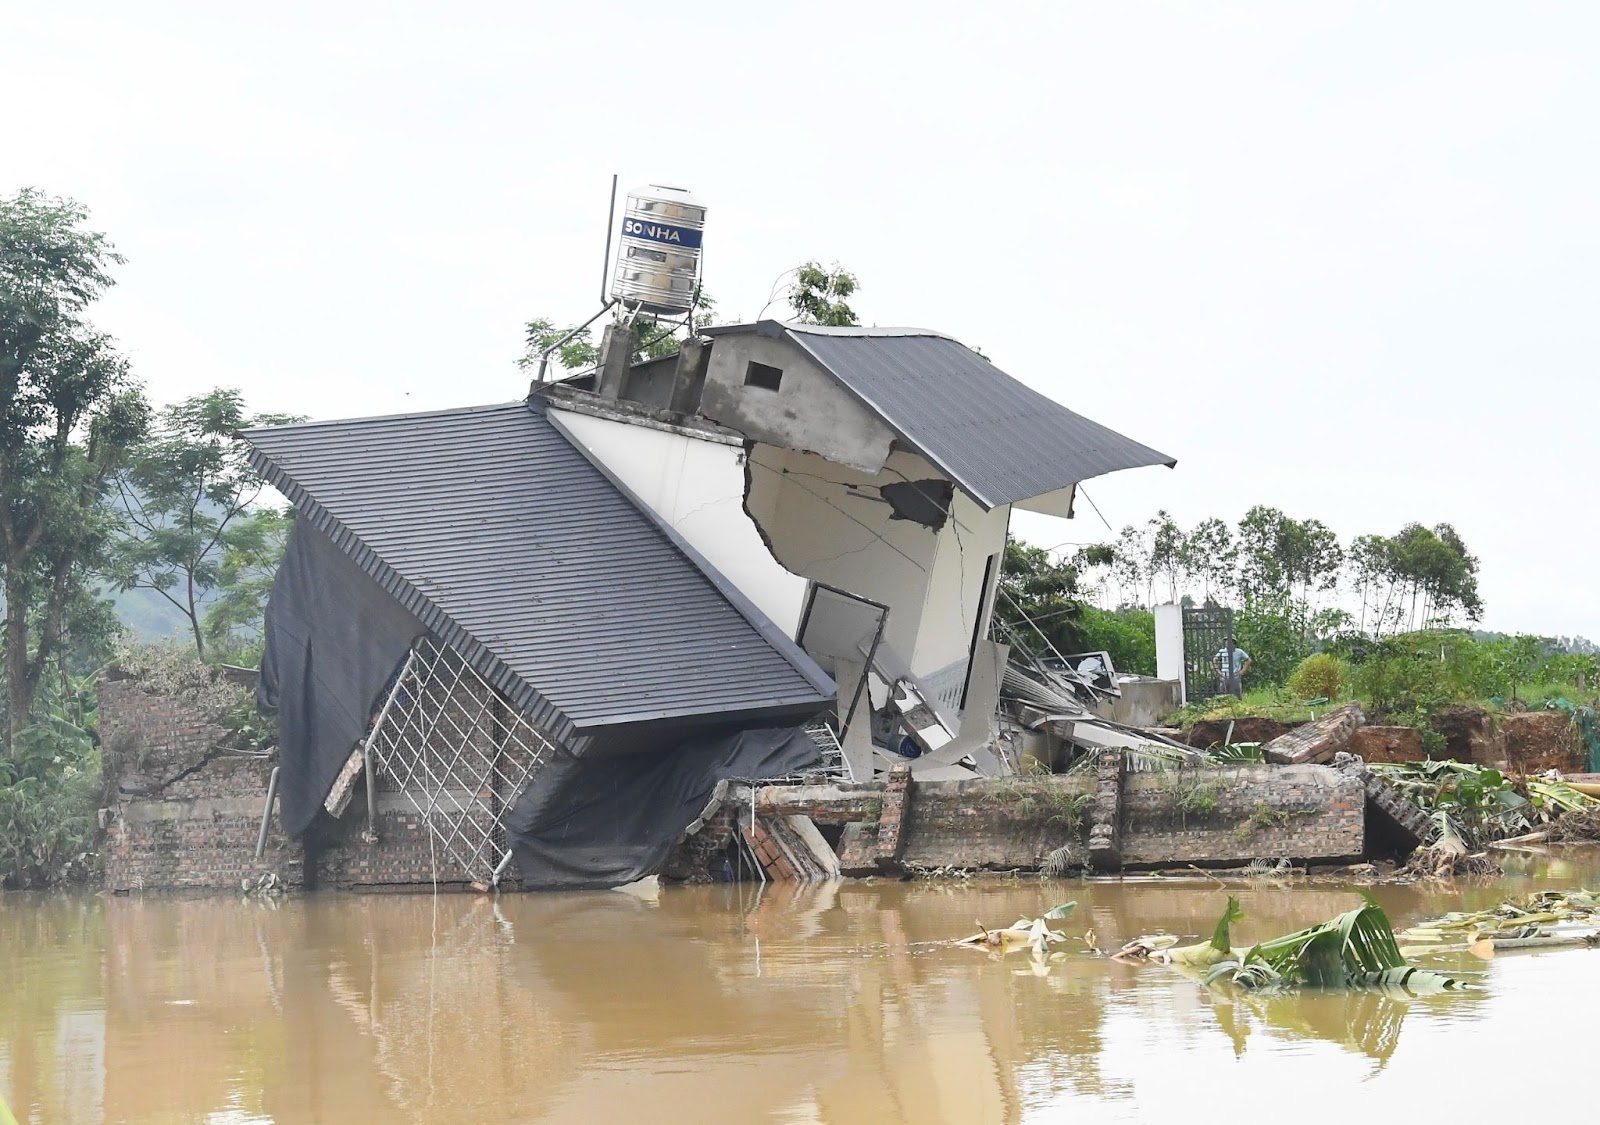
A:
{"points": [[697, 486], [956, 595], [808, 411], [826, 521]]}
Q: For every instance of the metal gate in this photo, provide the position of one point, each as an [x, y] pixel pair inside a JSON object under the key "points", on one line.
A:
{"points": [[1205, 633]]}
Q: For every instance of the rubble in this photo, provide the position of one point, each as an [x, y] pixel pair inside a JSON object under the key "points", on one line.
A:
{"points": [[1317, 741]]}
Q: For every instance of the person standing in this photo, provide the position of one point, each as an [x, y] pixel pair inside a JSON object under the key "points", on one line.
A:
{"points": [[1231, 663]]}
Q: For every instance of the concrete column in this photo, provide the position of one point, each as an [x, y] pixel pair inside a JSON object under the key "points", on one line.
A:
{"points": [[1105, 814], [857, 742], [616, 354], [1169, 646], [689, 377], [891, 820]]}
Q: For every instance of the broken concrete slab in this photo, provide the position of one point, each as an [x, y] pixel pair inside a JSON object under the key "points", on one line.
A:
{"points": [[1389, 813], [925, 769], [1316, 741], [806, 832], [344, 786]]}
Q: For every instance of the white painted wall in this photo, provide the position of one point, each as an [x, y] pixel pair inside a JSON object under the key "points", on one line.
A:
{"points": [[829, 523], [1169, 645], [823, 521], [955, 593], [697, 487]]}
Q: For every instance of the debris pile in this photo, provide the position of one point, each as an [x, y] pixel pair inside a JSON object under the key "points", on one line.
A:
{"points": [[1443, 863], [1580, 825], [1473, 806], [1545, 919]]}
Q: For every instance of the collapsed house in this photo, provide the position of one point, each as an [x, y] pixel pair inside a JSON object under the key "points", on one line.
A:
{"points": [[554, 626]]}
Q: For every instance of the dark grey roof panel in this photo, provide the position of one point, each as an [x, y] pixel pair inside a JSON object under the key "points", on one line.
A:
{"points": [[1001, 441], [505, 540]]}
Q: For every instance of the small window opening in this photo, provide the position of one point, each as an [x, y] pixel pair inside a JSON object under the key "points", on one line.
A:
{"points": [[763, 376]]}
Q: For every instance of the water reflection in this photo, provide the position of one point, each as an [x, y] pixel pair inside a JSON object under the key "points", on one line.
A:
{"points": [[705, 1005]]}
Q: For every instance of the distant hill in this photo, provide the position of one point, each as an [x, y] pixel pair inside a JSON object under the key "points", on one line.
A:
{"points": [[149, 616]]}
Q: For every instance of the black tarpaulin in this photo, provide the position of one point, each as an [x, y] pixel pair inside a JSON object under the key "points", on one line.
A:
{"points": [[334, 638], [589, 823]]}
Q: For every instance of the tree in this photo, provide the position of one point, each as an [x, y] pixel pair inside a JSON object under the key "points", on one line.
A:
{"points": [[818, 295], [191, 501], [653, 338], [255, 547], [1261, 531], [1168, 552], [1131, 567], [1038, 599], [69, 413], [1210, 555], [1285, 558]]}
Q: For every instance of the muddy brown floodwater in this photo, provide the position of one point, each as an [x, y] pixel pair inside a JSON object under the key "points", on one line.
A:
{"points": [[728, 1005]]}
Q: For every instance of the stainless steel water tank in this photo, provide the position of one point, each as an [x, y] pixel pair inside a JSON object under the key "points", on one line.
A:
{"points": [[658, 257]]}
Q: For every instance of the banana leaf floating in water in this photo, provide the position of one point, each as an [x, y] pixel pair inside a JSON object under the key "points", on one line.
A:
{"points": [[1354, 951]]}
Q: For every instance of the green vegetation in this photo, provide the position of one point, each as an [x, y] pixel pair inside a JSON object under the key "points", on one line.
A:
{"points": [[195, 522], [92, 498], [1262, 817], [1472, 804], [1264, 703], [1355, 950], [1193, 795], [1373, 621], [1318, 676]]}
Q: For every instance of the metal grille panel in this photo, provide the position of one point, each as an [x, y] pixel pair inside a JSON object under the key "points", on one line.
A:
{"points": [[1205, 633], [459, 753]]}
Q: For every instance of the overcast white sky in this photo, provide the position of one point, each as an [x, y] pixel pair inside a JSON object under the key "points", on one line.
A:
{"points": [[1341, 259]]}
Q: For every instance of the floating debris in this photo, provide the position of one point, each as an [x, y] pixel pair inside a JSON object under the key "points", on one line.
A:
{"points": [[1446, 863], [1025, 933], [1546, 919], [1355, 951]]}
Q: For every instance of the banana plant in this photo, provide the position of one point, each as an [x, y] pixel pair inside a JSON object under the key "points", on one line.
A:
{"points": [[1355, 950]]}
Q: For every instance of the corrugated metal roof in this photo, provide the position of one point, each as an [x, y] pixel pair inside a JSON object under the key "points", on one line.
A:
{"points": [[1000, 440], [506, 541]]}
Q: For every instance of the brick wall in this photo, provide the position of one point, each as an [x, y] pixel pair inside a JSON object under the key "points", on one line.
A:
{"points": [[183, 812], [405, 854], [1208, 817], [1233, 815], [996, 825]]}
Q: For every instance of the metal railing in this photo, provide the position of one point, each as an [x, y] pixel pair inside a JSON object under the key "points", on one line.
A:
{"points": [[459, 753]]}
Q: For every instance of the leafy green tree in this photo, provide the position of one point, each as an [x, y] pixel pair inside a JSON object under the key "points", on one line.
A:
{"points": [[820, 295], [1038, 599], [192, 505], [255, 546], [1209, 555], [1426, 569], [653, 338], [1272, 629], [1168, 554], [1128, 634], [1282, 557], [69, 414]]}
